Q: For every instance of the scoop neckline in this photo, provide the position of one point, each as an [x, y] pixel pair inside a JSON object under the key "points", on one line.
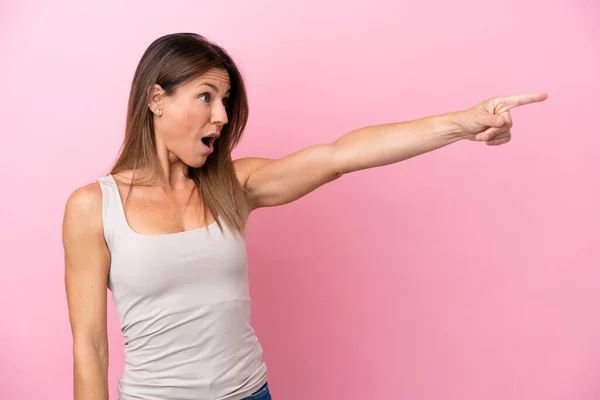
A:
{"points": [[155, 235]]}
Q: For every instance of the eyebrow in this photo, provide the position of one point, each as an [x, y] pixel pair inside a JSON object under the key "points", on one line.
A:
{"points": [[213, 87]]}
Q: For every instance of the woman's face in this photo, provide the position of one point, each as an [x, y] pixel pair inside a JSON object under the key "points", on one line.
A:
{"points": [[191, 118]]}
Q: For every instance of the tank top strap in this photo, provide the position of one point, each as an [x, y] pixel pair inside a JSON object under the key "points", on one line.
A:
{"points": [[113, 214]]}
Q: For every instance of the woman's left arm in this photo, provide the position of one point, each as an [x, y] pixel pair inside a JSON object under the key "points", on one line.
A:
{"points": [[273, 182]]}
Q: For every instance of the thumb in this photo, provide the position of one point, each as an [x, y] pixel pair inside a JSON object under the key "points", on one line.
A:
{"points": [[491, 120]]}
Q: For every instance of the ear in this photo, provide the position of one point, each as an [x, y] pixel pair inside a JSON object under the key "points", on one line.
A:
{"points": [[155, 99]]}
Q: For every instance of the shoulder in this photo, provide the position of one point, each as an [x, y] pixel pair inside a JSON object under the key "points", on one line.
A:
{"points": [[245, 166], [83, 209], [85, 199]]}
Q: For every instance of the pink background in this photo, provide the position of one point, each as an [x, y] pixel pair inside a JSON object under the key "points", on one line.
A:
{"points": [[464, 274]]}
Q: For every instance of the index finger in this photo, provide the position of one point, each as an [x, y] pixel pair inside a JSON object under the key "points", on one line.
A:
{"points": [[506, 103]]}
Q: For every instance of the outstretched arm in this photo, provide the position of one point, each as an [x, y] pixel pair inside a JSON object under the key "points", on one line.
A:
{"points": [[273, 182]]}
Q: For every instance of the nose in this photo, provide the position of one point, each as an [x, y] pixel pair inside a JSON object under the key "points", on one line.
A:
{"points": [[219, 115]]}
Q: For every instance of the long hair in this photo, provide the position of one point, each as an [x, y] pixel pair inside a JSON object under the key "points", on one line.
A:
{"points": [[171, 61]]}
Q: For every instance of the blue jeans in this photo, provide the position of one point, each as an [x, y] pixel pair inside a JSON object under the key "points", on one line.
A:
{"points": [[260, 394]]}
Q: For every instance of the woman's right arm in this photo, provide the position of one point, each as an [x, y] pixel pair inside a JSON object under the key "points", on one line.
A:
{"points": [[87, 262]]}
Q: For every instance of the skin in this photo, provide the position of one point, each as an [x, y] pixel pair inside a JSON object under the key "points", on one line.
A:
{"points": [[181, 120]]}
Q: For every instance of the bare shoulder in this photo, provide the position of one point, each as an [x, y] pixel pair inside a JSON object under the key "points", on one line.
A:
{"points": [[244, 167], [83, 216], [84, 205]]}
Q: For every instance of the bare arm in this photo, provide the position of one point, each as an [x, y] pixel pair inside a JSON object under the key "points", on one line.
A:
{"points": [[87, 262], [270, 182]]}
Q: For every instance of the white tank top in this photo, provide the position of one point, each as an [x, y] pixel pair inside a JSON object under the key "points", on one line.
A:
{"points": [[184, 306]]}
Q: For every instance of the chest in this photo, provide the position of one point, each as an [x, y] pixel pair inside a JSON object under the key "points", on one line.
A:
{"points": [[205, 261], [151, 211]]}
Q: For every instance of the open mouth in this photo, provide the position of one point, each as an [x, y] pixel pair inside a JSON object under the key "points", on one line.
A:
{"points": [[208, 141]]}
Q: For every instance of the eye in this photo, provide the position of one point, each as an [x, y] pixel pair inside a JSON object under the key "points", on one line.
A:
{"points": [[206, 96], [226, 101]]}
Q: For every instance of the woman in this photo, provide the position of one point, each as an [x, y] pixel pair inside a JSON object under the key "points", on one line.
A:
{"points": [[164, 230]]}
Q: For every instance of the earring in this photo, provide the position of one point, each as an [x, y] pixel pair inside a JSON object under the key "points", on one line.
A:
{"points": [[156, 111]]}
